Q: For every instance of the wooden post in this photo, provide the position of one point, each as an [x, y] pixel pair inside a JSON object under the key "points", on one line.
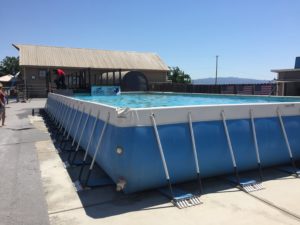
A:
{"points": [[72, 80], [114, 79], [76, 80], [120, 77], [47, 78], [75, 83], [83, 79], [79, 79], [89, 73], [101, 79], [67, 80], [25, 84], [107, 78]]}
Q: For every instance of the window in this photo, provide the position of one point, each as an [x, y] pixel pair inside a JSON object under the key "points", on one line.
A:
{"points": [[42, 73]]}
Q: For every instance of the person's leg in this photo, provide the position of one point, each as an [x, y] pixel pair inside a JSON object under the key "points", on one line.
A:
{"points": [[57, 82], [3, 117], [1, 112], [63, 84]]}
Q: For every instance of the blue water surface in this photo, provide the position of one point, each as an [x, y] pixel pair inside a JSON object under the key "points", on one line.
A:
{"points": [[147, 100]]}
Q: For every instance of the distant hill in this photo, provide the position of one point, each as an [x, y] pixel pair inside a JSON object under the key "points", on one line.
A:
{"points": [[229, 80]]}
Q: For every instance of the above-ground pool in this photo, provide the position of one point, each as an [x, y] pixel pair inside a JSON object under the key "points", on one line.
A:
{"points": [[147, 100], [148, 138]]}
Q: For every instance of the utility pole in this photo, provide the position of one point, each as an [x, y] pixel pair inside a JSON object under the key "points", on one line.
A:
{"points": [[216, 79]]}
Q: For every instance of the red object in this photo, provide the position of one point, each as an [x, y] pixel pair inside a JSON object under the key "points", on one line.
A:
{"points": [[60, 72], [2, 95]]}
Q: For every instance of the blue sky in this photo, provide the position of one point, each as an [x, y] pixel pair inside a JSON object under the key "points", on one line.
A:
{"points": [[251, 37]]}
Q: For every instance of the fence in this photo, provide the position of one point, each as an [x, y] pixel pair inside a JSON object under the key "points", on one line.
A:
{"points": [[243, 89]]}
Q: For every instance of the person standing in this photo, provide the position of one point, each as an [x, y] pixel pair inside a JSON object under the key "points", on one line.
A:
{"points": [[60, 81], [2, 105]]}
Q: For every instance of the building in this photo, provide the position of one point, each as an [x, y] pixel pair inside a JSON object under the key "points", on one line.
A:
{"points": [[288, 80], [87, 67]]}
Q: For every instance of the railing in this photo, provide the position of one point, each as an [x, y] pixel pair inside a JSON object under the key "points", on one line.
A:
{"points": [[246, 89]]}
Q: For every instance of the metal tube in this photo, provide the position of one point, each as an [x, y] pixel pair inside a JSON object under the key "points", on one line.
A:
{"points": [[160, 147], [193, 142], [99, 141], [68, 120], [195, 150], [62, 117], [162, 154], [286, 141], [70, 126], [57, 113], [284, 134], [230, 147], [228, 139], [66, 109], [81, 135], [255, 144], [90, 140], [85, 123], [94, 157], [56, 109], [80, 118]]}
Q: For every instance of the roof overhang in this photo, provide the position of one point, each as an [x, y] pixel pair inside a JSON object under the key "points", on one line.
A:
{"points": [[287, 81], [285, 70], [79, 58]]}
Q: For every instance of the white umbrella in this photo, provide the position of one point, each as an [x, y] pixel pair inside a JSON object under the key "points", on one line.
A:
{"points": [[6, 78]]}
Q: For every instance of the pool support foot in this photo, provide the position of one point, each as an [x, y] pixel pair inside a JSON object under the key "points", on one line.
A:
{"points": [[180, 198], [246, 185]]}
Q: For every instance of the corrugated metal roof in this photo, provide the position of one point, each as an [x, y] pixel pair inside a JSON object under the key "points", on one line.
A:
{"points": [[34, 55]]}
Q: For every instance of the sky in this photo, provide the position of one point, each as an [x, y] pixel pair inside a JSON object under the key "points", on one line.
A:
{"points": [[251, 37]]}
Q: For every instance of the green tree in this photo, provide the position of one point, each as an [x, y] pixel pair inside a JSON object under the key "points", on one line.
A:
{"points": [[9, 65], [176, 75]]}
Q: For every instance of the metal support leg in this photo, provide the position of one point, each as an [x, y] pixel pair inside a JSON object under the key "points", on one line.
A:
{"points": [[162, 155], [78, 143], [195, 152], [61, 119], [97, 150], [88, 147], [61, 128], [69, 127], [66, 123], [296, 171], [256, 145], [230, 148], [74, 138], [60, 105], [246, 185]]}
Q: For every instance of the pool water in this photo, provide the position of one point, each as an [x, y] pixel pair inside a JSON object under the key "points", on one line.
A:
{"points": [[147, 100]]}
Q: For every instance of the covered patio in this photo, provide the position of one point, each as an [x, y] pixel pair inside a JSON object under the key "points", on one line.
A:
{"points": [[86, 67]]}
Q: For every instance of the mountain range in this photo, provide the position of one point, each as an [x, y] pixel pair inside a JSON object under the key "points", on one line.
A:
{"points": [[229, 80]]}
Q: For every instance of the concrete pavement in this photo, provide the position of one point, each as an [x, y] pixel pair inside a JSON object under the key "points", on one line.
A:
{"points": [[21, 192], [55, 197]]}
